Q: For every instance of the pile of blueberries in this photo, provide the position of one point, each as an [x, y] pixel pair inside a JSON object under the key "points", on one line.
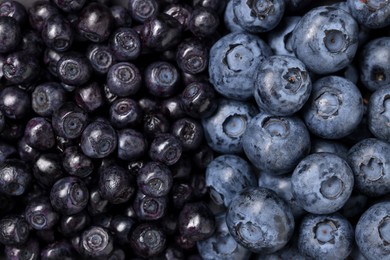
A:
{"points": [[195, 129]]}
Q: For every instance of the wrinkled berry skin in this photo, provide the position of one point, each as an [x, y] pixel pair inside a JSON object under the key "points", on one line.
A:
{"points": [[280, 39], [40, 214], [379, 114], [221, 245], [225, 128], [325, 39], [14, 230], [47, 98], [375, 64], [95, 22], [189, 132], [371, 14], [39, 134], [334, 109], [15, 177], [369, 160], [15, 103], [325, 237], [276, 144], [372, 231], [322, 183], [76, 163], [20, 68], [89, 97], [226, 176], [260, 220], [10, 34], [98, 139], [233, 62], [258, 16], [30, 250], [69, 195], [283, 85]]}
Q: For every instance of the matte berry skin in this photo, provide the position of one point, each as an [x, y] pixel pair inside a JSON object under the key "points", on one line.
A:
{"points": [[260, 220], [233, 62], [132, 145], [325, 39], [280, 39], [47, 98], [14, 230], [10, 34], [15, 177], [372, 231], [15, 103], [322, 183], [47, 169], [379, 114], [371, 14], [39, 134]]}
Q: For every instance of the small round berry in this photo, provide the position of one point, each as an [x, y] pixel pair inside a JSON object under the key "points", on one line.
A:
{"points": [[165, 148], [15, 177]]}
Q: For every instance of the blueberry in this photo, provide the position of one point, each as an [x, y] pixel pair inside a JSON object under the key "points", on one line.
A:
{"points": [[155, 179], [96, 242], [162, 79], [221, 245], [123, 79], [31, 44], [29, 250], [39, 134], [6, 151], [260, 220], [369, 159], [26, 152], [372, 231], [181, 12], [276, 144], [20, 68], [132, 145], [15, 103], [165, 148], [125, 112], [47, 98], [148, 240], [47, 169], [15, 177], [125, 44], [226, 176], [40, 12], [155, 123], [15, 10], [122, 16], [258, 16], [379, 114], [325, 237], [69, 121], [149, 208], [14, 230], [73, 224], [57, 250], [374, 64], [76, 163], [189, 132], [50, 59], [334, 109], [282, 85], [40, 214], [230, 19], [322, 183], [74, 69], [173, 107], [10, 34], [96, 204], [98, 139], [101, 57], [233, 62], [89, 97], [141, 10], [70, 6], [329, 146], [372, 14], [280, 39], [203, 21], [355, 205], [198, 99], [57, 33], [290, 251], [69, 195], [325, 39]]}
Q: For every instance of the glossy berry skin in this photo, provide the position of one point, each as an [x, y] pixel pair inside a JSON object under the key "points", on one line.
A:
{"points": [[148, 240], [26, 152], [334, 109], [192, 56], [115, 184], [121, 226], [379, 114], [96, 242], [95, 22], [57, 33], [101, 57], [226, 176], [203, 22], [50, 59], [260, 220], [258, 16], [374, 64], [371, 14], [162, 79], [283, 85], [57, 250], [125, 44], [141, 10], [372, 231], [276, 144], [233, 62], [6, 151], [69, 121], [76, 163], [74, 69], [325, 237], [198, 99], [98, 139], [89, 97], [10, 34], [15, 10], [15, 103], [173, 107], [121, 15], [47, 98], [125, 112], [47, 169], [123, 79], [20, 68], [14, 230], [181, 12], [132, 145], [322, 183], [325, 39], [196, 221], [30, 250], [280, 39], [221, 245], [166, 37], [155, 179], [70, 6], [72, 225], [15, 177], [189, 132], [69, 195], [40, 214], [370, 164], [165, 148], [96, 203], [155, 123], [149, 208], [31, 44], [40, 12], [39, 134]]}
